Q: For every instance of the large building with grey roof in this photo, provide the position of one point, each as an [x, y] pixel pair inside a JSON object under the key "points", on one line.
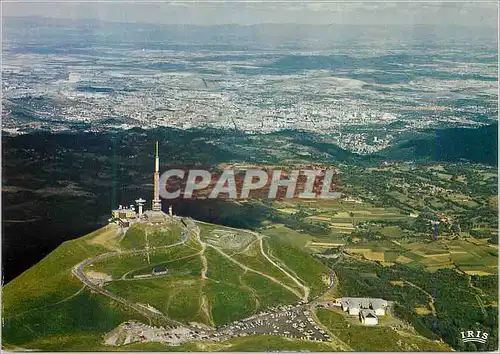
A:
{"points": [[368, 309]]}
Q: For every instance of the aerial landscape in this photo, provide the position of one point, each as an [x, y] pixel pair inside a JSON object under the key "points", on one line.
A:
{"points": [[391, 245]]}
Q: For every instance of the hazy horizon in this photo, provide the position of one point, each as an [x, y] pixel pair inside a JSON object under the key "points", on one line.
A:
{"points": [[207, 13]]}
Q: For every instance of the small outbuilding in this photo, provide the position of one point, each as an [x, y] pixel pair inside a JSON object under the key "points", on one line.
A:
{"points": [[160, 271], [368, 317]]}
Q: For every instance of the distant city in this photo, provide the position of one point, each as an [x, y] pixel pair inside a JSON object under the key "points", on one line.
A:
{"points": [[359, 97]]}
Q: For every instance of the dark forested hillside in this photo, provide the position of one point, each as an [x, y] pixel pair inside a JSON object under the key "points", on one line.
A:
{"points": [[477, 145]]}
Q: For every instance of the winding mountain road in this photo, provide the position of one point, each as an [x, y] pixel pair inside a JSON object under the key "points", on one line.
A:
{"points": [[78, 271]]}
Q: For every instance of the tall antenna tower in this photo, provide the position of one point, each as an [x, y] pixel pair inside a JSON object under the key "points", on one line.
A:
{"points": [[113, 173], [156, 180]]}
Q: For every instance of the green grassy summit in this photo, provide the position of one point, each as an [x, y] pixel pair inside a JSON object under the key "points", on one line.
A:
{"points": [[214, 275]]}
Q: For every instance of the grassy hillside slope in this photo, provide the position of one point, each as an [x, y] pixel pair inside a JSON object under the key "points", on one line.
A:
{"points": [[215, 275]]}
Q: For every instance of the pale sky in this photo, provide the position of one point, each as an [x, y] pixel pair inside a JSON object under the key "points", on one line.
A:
{"points": [[482, 14]]}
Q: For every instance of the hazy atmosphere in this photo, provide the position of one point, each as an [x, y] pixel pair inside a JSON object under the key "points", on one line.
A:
{"points": [[482, 14], [386, 113]]}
